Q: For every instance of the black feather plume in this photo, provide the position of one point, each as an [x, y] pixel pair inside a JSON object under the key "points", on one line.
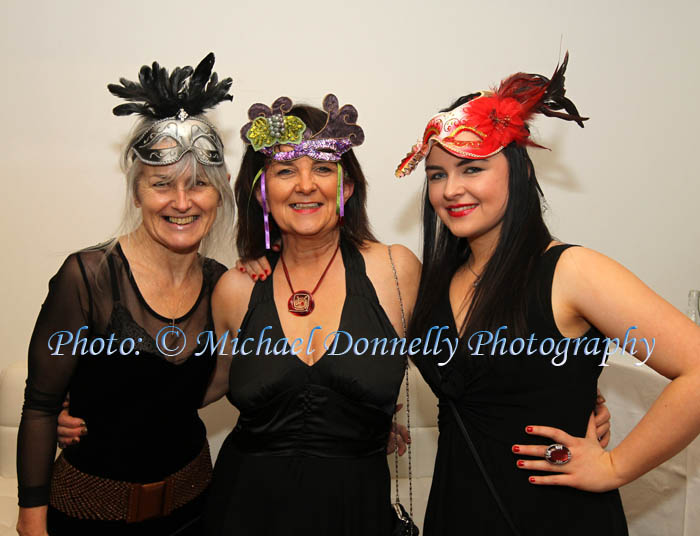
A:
{"points": [[158, 95], [555, 97]]}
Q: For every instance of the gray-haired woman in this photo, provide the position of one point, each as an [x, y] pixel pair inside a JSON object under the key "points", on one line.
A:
{"points": [[119, 329]]}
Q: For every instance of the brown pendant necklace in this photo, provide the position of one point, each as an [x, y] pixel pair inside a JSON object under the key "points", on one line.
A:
{"points": [[301, 302]]}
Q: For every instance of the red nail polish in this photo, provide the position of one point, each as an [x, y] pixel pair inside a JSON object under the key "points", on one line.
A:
{"points": [[521, 463], [254, 276], [241, 269], [267, 272], [516, 448], [529, 429], [532, 479]]}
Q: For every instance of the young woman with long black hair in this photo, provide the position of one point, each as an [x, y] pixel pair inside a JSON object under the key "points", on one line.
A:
{"points": [[528, 311]]}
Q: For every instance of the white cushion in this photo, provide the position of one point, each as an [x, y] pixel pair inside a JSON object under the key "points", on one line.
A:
{"points": [[8, 506], [12, 381]]}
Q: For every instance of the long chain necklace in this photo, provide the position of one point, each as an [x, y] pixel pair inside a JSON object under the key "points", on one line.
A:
{"points": [[301, 302]]}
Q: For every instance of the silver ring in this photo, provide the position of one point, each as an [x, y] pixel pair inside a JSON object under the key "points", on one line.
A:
{"points": [[557, 454]]}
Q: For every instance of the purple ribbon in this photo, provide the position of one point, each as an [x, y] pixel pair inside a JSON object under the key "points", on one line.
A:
{"points": [[266, 212]]}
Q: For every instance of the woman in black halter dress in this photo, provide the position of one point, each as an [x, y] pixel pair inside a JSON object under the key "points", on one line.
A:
{"points": [[308, 454]]}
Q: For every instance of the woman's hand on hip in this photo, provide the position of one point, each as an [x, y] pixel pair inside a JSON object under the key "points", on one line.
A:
{"points": [[589, 467]]}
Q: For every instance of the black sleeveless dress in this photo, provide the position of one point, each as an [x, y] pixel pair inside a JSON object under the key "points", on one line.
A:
{"points": [[497, 397], [308, 454]]}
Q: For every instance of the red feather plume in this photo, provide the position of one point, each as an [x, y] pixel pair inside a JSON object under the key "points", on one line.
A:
{"points": [[538, 94]]}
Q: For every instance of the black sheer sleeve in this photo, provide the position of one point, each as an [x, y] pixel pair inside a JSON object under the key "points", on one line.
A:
{"points": [[67, 309]]}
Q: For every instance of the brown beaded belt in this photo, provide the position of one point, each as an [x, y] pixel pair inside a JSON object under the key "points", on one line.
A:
{"points": [[85, 496]]}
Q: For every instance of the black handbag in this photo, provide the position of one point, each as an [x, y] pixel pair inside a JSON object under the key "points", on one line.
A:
{"points": [[403, 525]]}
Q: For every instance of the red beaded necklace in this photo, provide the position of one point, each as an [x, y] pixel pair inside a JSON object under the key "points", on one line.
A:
{"points": [[301, 303]]}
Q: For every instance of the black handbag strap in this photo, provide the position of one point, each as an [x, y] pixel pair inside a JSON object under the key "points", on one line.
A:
{"points": [[481, 467]]}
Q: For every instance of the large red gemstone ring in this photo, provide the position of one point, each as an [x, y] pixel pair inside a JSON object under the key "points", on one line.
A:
{"points": [[557, 454]]}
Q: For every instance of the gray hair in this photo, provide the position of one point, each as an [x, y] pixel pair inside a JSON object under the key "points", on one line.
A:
{"points": [[220, 235]]}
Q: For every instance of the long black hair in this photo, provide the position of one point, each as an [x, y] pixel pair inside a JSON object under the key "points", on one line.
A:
{"points": [[500, 297], [250, 234]]}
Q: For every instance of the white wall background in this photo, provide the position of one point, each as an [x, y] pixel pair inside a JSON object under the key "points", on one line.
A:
{"points": [[625, 185]]}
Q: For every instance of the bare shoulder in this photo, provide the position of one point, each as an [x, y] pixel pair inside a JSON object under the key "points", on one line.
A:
{"points": [[586, 279], [607, 295], [230, 298], [233, 284], [404, 259], [379, 271], [586, 265]]}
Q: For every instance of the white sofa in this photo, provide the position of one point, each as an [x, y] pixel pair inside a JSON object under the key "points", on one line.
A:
{"points": [[220, 418], [11, 395]]}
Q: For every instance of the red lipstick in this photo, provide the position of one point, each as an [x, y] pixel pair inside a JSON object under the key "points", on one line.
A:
{"points": [[461, 210]]}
